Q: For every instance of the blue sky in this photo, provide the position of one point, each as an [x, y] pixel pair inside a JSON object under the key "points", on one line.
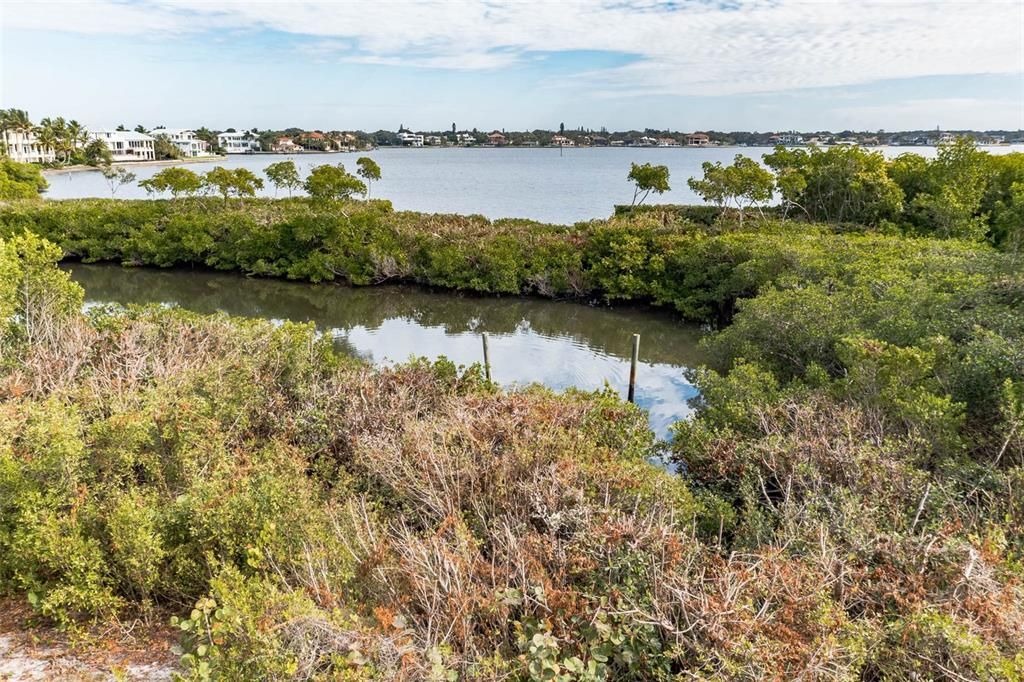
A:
{"points": [[686, 65]]}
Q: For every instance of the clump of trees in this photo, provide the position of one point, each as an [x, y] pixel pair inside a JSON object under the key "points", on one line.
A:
{"points": [[331, 183], [176, 180], [743, 184], [20, 180]]}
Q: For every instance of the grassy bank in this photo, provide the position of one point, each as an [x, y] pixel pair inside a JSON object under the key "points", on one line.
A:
{"points": [[852, 505]]}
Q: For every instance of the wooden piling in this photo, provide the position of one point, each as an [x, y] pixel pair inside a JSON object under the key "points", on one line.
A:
{"points": [[487, 358], [632, 368]]}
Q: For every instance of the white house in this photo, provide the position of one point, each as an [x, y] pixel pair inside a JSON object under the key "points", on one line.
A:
{"points": [[238, 143], [24, 147], [466, 139], [185, 140], [126, 145], [410, 139]]}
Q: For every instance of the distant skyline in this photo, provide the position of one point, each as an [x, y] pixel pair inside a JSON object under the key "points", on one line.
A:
{"points": [[628, 64]]}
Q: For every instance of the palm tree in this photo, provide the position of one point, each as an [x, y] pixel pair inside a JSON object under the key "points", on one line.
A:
{"points": [[16, 122], [78, 136]]}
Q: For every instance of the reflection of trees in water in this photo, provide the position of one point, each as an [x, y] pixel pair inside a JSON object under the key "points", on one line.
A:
{"points": [[606, 330]]}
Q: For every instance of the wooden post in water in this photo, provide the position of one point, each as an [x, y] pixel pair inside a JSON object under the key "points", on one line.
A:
{"points": [[631, 397], [487, 359]]}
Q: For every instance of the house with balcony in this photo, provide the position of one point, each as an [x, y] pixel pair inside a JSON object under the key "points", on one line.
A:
{"points": [[238, 143], [466, 139], [561, 141], [668, 142], [189, 146], [285, 145], [127, 145], [408, 138], [697, 140], [23, 146], [497, 139]]}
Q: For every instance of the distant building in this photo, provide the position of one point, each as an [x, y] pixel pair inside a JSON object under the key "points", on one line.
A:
{"points": [[185, 140], [697, 140], [617, 143], [599, 141], [285, 145], [126, 145], [433, 141], [238, 143], [497, 139], [668, 142], [410, 139], [646, 142], [23, 146], [786, 139], [561, 141], [466, 139]]}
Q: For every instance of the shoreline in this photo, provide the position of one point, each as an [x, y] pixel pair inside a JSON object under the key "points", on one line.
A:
{"points": [[78, 168]]}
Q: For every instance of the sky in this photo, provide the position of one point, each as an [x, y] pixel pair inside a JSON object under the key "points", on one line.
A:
{"points": [[489, 64]]}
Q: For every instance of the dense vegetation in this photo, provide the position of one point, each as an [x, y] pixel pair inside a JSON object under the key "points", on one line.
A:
{"points": [[849, 503]]}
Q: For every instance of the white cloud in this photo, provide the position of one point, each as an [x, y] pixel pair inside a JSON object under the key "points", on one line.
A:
{"points": [[693, 47]]}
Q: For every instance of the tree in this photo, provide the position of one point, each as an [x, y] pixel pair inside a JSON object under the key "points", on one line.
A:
{"points": [[141, 129], [20, 180], [283, 174], [239, 182], [163, 148], [837, 185], [744, 183], [97, 154], [117, 178], [561, 128], [177, 181], [328, 183], [647, 179], [368, 171], [954, 187]]}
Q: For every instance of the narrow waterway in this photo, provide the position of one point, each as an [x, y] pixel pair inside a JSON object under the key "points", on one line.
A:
{"points": [[560, 345]]}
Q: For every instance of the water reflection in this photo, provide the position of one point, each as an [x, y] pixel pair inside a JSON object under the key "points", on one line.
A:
{"points": [[556, 344]]}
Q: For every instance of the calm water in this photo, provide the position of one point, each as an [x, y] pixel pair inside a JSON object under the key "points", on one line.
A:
{"points": [[557, 344], [542, 184]]}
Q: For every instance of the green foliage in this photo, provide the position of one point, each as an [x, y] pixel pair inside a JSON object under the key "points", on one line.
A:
{"points": [[329, 183], [239, 182], [176, 180], [283, 174], [647, 178], [20, 181], [368, 170], [97, 154], [117, 178], [842, 184], [744, 183]]}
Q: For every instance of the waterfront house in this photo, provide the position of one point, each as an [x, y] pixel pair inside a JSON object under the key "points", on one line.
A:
{"points": [[599, 141], [697, 140], [497, 139], [238, 143], [185, 140], [645, 142], [285, 145], [466, 139], [617, 143], [23, 146], [668, 142], [561, 141], [433, 140], [127, 145], [410, 139], [788, 139]]}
